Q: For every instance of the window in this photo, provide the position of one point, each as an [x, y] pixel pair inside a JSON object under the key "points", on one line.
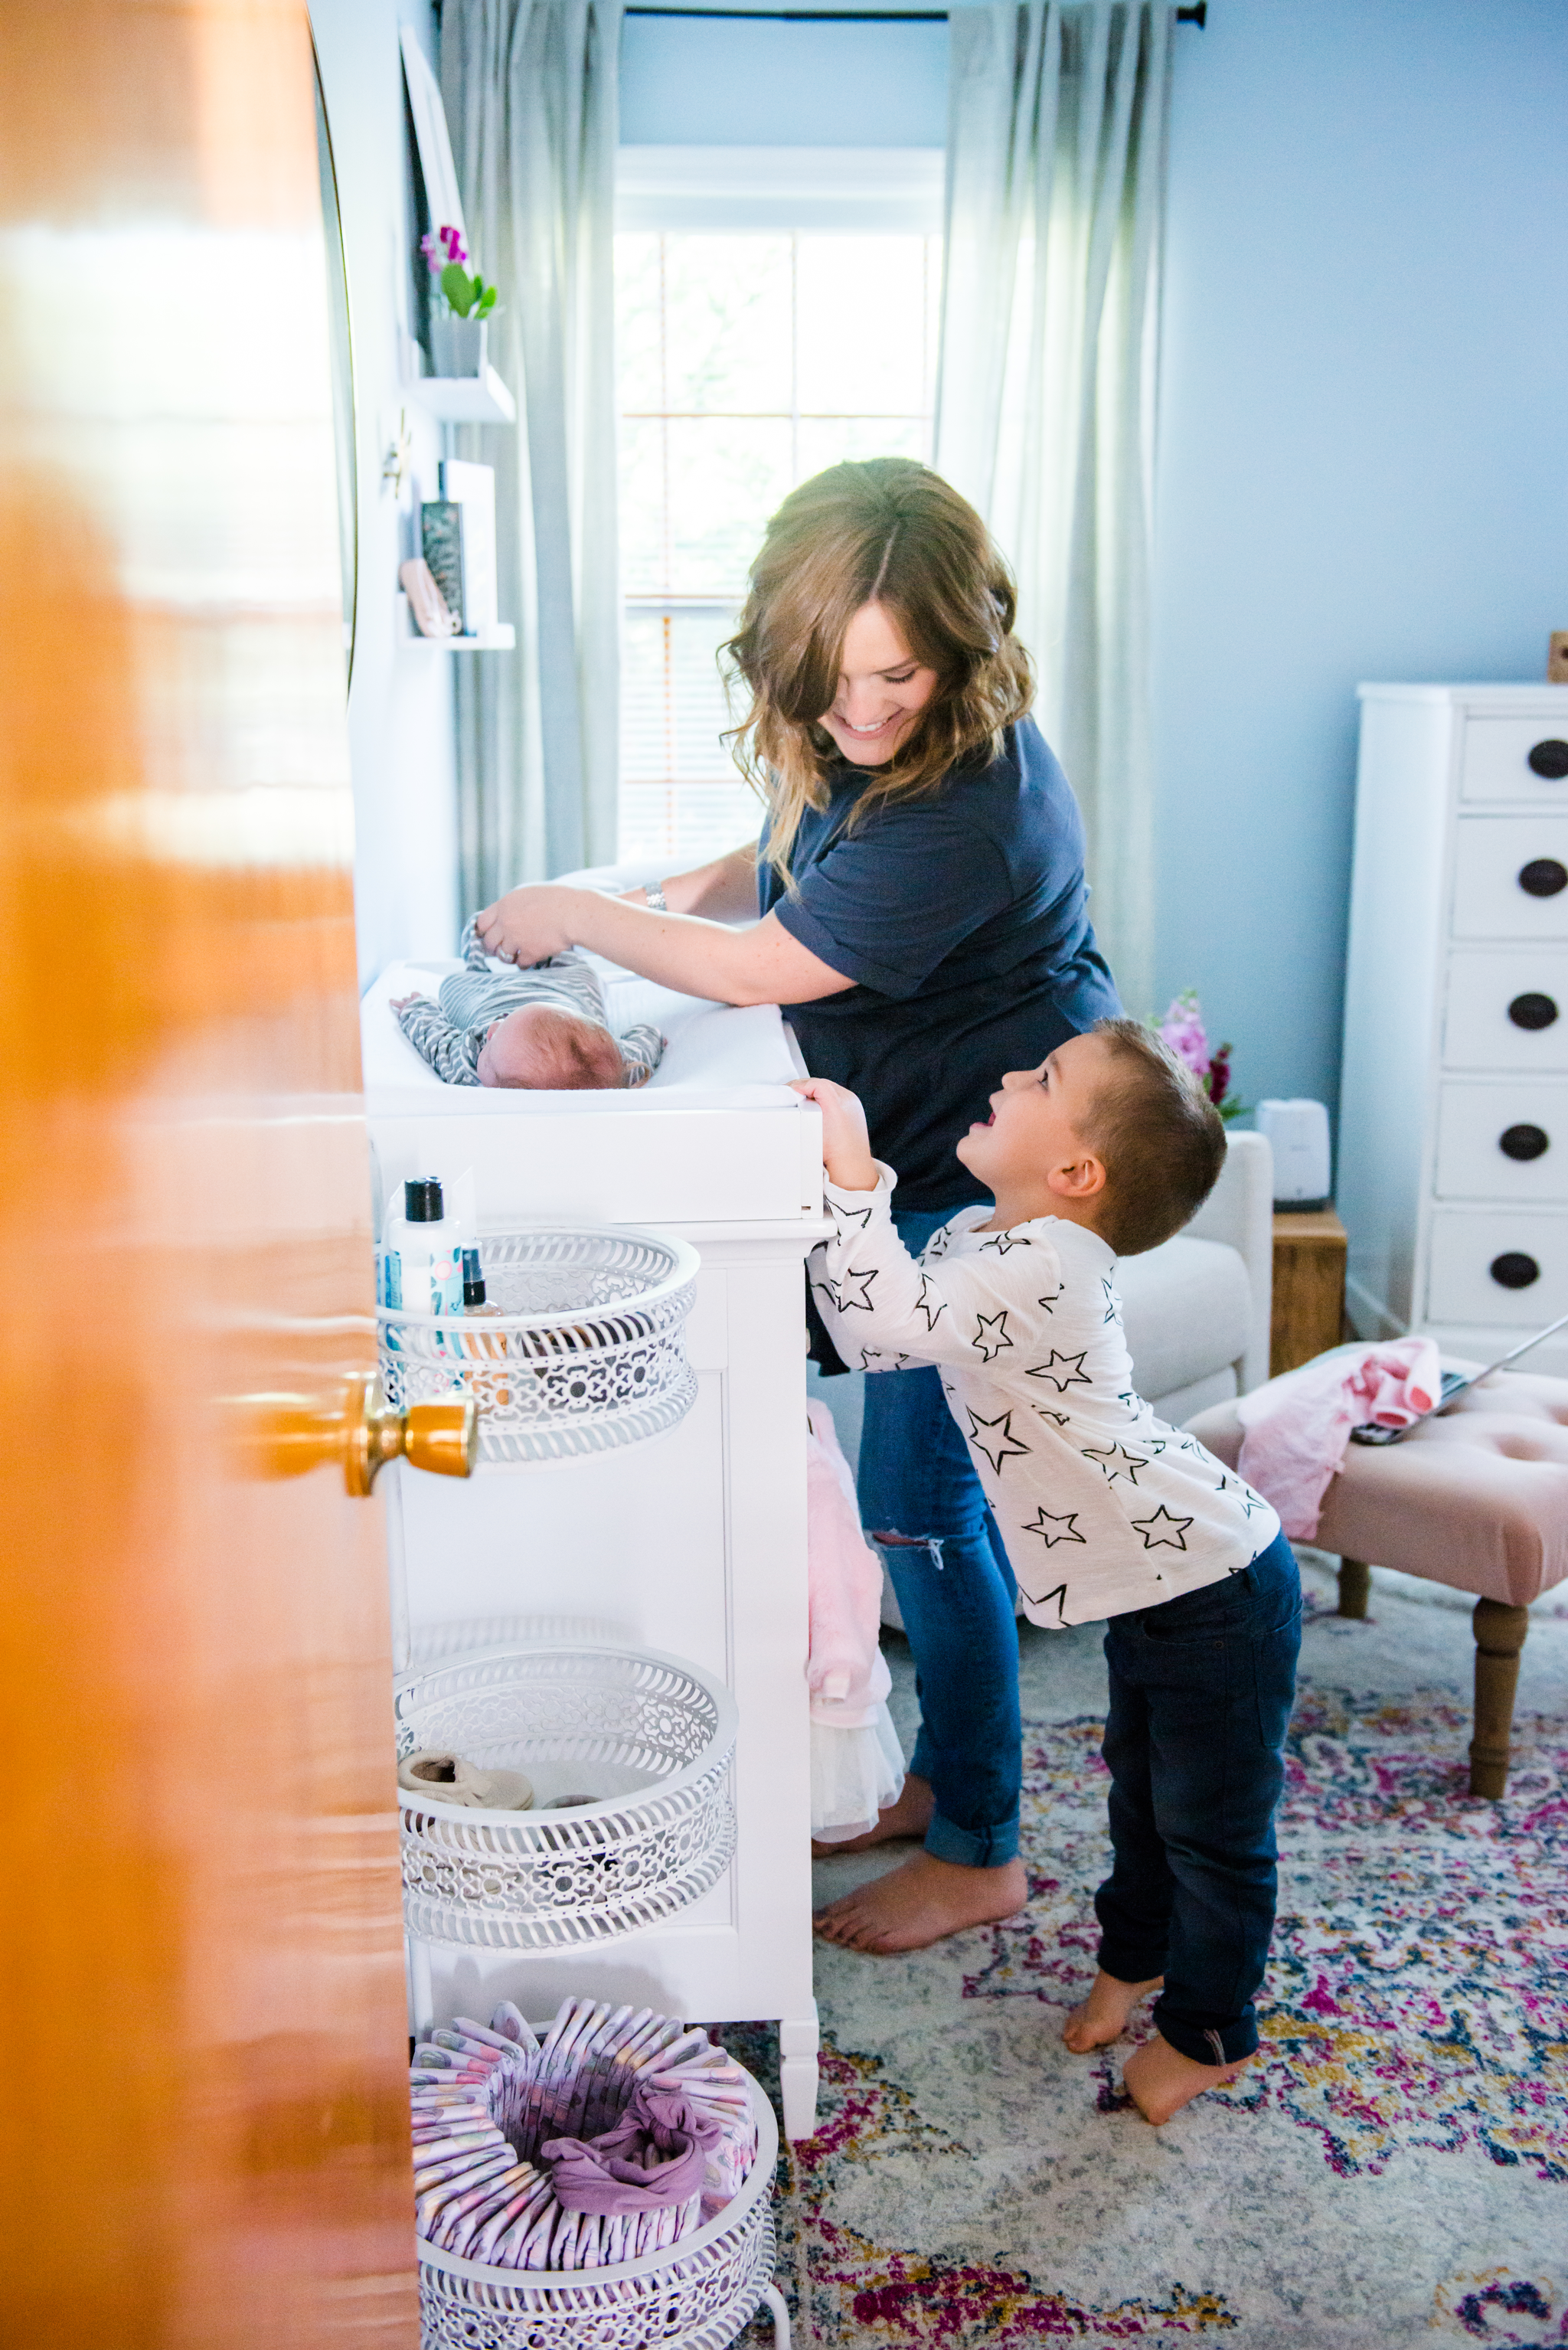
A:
{"points": [[750, 358]]}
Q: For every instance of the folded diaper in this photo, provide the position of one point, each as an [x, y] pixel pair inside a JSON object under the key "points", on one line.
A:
{"points": [[655, 2157], [448, 1779]]}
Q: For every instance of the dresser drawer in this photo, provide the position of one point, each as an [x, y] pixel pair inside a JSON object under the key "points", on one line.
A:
{"points": [[1496, 754], [1507, 1010], [1511, 876], [1498, 1265], [1503, 1142]]}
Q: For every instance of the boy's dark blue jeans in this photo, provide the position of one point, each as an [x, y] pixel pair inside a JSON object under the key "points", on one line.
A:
{"points": [[1201, 1697]]}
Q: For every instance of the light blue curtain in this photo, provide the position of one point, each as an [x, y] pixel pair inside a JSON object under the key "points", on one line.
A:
{"points": [[531, 94], [1046, 400]]}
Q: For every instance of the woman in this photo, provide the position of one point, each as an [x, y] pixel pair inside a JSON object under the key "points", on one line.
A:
{"points": [[920, 882]]}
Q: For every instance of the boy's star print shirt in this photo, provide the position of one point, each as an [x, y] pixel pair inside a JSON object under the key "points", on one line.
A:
{"points": [[1102, 1507]]}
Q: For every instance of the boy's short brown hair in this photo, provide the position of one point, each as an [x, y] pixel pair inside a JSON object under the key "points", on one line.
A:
{"points": [[1158, 1137]]}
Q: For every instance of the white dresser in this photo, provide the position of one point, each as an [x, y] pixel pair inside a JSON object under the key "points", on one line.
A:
{"points": [[1453, 1137]]}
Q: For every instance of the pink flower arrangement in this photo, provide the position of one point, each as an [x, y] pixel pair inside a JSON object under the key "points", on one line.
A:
{"points": [[446, 245], [1183, 1032], [467, 296]]}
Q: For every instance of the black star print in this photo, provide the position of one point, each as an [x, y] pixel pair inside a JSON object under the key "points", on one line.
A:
{"points": [[1113, 1302], [1048, 1304], [986, 1325], [1059, 1594], [861, 1216], [1163, 1528], [1156, 1445], [1071, 1374], [999, 1447], [1053, 1530], [1118, 1462], [1060, 1417], [842, 1297], [1189, 1444], [923, 1303], [1002, 1242], [937, 1245]]}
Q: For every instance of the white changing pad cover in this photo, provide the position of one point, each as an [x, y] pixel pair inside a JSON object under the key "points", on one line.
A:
{"points": [[718, 1055]]}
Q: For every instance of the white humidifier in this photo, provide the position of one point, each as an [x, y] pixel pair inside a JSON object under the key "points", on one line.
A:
{"points": [[1298, 1136]]}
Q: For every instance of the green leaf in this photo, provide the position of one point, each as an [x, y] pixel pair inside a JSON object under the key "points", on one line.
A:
{"points": [[458, 288], [486, 303]]}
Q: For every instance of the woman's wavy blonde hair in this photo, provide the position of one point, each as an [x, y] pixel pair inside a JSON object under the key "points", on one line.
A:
{"points": [[890, 531]]}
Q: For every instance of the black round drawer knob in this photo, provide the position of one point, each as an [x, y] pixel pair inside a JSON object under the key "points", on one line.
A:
{"points": [[1532, 1011], [1542, 877], [1514, 1270], [1550, 759], [1523, 1142]]}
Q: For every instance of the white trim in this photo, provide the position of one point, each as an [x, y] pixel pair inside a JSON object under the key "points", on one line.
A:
{"points": [[892, 190]]}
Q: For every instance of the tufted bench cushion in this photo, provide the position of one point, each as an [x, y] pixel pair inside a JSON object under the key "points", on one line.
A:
{"points": [[1477, 1499]]}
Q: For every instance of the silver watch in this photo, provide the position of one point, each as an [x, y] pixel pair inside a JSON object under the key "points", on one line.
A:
{"points": [[654, 893]]}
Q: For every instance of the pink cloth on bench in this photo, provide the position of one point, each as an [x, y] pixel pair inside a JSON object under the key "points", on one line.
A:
{"points": [[1295, 1429]]}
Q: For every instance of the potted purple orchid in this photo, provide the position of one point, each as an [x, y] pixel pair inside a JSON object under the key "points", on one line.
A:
{"points": [[1183, 1030], [458, 332]]}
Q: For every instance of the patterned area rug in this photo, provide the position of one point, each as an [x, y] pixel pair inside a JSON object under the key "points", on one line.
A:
{"points": [[1394, 2172]]}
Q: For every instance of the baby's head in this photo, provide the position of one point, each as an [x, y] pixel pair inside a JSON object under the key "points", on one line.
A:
{"points": [[1111, 1130], [550, 1051]]}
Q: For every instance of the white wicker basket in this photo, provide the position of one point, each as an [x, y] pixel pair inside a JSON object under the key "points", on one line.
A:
{"points": [[646, 1736], [587, 1354], [696, 2295]]}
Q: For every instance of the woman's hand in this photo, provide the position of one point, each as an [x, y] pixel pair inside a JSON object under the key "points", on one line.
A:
{"points": [[845, 1145], [529, 924]]}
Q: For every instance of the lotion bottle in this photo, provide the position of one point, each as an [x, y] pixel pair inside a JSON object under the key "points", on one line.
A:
{"points": [[489, 1344], [421, 1260]]}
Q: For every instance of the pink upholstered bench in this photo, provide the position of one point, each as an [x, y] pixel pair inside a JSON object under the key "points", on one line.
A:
{"points": [[1478, 1500]]}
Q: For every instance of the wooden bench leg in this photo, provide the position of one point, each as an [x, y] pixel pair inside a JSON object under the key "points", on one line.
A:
{"points": [[1355, 1583], [1499, 1633]]}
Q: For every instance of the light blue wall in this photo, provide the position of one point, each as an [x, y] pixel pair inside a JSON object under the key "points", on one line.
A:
{"points": [[1364, 434], [1363, 457]]}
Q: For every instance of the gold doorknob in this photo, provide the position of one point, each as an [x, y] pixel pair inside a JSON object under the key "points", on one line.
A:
{"points": [[287, 1435]]}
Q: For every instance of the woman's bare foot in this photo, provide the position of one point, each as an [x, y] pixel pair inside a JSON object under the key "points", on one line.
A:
{"points": [[1160, 2080], [919, 1902], [910, 1816], [1101, 2018]]}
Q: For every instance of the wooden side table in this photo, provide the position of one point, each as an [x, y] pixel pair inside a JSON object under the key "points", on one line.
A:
{"points": [[1309, 1286]]}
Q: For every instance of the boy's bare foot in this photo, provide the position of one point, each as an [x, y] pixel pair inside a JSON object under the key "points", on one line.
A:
{"points": [[1160, 2080], [910, 1816], [919, 1902], [1101, 2018]]}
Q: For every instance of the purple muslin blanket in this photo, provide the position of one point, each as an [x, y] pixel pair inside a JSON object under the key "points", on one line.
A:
{"points": [[652, 2159]]}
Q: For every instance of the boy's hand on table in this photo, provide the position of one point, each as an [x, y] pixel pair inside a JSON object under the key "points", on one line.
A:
{"points": [[845, 1145]]}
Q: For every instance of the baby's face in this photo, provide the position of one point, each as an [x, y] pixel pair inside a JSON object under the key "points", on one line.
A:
{"points": [[545, 1050]]}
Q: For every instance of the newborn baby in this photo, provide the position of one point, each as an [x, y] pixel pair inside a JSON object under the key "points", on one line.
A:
{"points": [[544, 1028]]}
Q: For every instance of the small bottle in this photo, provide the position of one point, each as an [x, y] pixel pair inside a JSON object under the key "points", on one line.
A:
{"points": [[485, 1344], [421, 1264]]}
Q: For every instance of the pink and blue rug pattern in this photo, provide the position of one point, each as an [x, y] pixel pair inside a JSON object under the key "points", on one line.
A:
{"points": [[1394, 2172]]}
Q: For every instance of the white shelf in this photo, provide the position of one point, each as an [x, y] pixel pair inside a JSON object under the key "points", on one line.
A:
{"points": [[466, 398], [500, 639]]}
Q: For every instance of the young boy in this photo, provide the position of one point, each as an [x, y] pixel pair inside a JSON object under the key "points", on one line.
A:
{"points": [[543, 1028], [1104, 1150]]}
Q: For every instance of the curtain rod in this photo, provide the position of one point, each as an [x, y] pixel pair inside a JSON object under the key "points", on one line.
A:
{"points": [[1197, 15]]}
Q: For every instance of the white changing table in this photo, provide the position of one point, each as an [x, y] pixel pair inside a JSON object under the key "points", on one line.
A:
{"points": [[694, 1542]]}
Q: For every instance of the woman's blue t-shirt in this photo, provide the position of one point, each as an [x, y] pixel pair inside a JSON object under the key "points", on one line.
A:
{"points": [[962, 918]]}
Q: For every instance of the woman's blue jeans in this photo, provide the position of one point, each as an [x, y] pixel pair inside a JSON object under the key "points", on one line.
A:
{"points": [[1201, 1690], [956, 1594]]}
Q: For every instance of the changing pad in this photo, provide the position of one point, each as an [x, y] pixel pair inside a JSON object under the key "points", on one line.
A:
{"points": [[744, 1053]]}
